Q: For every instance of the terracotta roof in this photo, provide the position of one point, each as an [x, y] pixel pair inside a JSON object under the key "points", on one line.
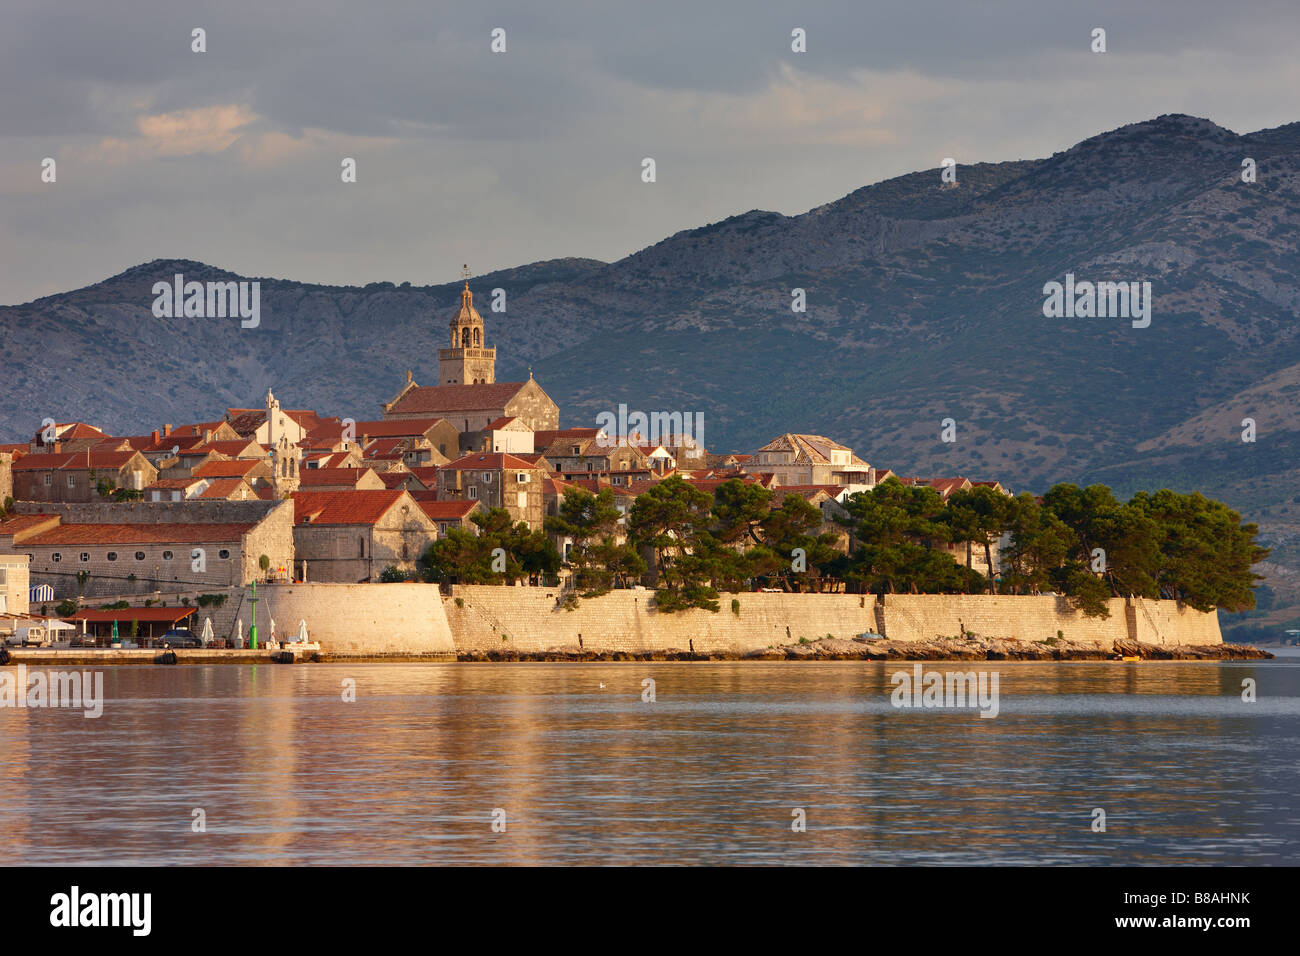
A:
{"points": [[503, 422], [167, 442], [447, 510], [489, 461], [223, 488], [427, 474], [384, 448], [398, 479], [437, 399], [344, 507], [193, 431], [145, 615], [548, 437], [75, 460], [70, 431], [231, 468], [19, 523], [173, 483], [232, 449], [140, 533], [15, 448], [332, 476]]}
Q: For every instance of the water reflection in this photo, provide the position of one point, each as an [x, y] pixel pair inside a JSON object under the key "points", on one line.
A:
{"points": [[288, 772]]}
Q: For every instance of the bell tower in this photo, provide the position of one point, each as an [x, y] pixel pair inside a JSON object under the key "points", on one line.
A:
{"points": [[468, 361]]}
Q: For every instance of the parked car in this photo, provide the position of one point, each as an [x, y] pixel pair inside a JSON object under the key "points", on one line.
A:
{"points": [[181, 637]]}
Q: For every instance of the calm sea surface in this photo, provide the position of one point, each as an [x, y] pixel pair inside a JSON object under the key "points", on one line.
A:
{"points": [[287, 772]]}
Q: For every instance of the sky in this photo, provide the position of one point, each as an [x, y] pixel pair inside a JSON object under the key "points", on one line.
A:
{"points": [[234, 156]]}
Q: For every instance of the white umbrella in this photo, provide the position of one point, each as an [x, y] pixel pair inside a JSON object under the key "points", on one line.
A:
{"points": [[302, 631], [272, 628], [207, 636], [239, 633], [59, 626]]}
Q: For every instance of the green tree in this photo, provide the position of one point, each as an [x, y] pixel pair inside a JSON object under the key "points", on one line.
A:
{"points": [[978, 516]]}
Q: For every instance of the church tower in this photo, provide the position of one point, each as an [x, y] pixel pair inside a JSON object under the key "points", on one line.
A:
{"points": [[286, 460], [468, 361]]}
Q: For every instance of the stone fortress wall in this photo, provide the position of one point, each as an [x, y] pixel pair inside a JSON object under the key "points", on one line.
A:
{"points": [[532, 620]]}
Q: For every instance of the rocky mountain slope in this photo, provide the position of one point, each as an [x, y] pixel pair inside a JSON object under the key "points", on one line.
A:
{"points": [[924, 302]]}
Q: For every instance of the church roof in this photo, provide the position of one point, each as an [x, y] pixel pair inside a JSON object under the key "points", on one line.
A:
{"points": [[435, 400]]}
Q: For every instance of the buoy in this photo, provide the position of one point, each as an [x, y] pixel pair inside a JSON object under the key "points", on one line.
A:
{"points": [[167, 657]]}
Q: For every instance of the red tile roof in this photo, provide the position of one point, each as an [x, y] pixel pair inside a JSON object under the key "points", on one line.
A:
{"points": [[173, 483], [224, 488], [140, 533], [76, 460], [344, 507], [20, 523], [548, 437], [384, 448], [432, 400], [331, 430], [232, 468], [145, 615], [399, 479], [232, 449], [332, 476], [488, 461], [447, 510]]}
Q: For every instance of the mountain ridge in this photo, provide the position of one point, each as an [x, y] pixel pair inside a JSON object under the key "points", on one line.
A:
{"points": [[923, 303]]}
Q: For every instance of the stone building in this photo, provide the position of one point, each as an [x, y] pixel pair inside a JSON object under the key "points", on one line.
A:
{"points": [[352, 536], [138, 547], [497, 480], [811, 460], [77, 476], [14, 582]]}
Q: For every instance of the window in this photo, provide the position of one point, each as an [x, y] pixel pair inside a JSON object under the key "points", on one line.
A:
{"points": [[56, 557], [112, 555], [522, 499], [72, 481], [575, 449], [85, 556], [522, 477], [473, 491], [223, 553], [167, 555], [49, 479], [139, 555], [487, 477]]}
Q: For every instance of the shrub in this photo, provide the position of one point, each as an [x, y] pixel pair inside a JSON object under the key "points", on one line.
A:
{"points": [[735, 606]]}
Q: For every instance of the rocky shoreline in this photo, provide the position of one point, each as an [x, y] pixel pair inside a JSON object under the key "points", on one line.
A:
{"points": [[945, 649]]}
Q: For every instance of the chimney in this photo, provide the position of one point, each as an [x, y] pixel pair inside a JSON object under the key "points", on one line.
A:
{"points": [[167, 430], [207, 435], [154, 436]]}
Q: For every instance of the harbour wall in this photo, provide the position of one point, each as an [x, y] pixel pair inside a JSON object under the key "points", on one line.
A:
{"points": [[358, 620], [487, 618]]}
